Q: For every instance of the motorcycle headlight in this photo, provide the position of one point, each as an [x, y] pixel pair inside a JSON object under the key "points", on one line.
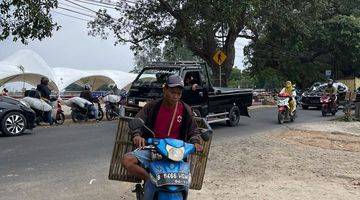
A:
{"points": [[175, 154]]}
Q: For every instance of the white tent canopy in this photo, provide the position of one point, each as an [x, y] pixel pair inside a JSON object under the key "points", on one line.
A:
{"points": [[96, 78], [27, 66]]}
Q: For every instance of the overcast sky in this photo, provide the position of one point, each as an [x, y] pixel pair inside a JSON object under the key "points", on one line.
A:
{"points": [[72, 47]]}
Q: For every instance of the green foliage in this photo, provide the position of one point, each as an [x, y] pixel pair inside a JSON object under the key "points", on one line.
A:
{"points": [[241, 79], [173, 50], [27, 20], [201, 25], [148, 53], [302, 39]]}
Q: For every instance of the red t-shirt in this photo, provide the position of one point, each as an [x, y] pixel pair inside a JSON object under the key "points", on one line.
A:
{"points": [[163, 120]]}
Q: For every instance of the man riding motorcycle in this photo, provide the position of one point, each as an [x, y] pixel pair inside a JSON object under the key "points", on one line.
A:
{"points": [[45, 92], [289, 90], [87, 94], [168, 118], [330, 88]]}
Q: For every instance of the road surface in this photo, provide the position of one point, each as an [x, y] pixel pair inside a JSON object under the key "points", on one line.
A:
{"points": [[72, 161]]}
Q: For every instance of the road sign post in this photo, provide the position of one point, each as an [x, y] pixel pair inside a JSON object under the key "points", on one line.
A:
{"points": [[219, 58]]}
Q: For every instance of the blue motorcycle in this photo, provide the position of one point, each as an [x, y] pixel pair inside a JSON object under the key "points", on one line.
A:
{"points": [[170, 175]]}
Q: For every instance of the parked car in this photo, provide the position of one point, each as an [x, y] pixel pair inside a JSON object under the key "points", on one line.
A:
{"points": [[311, 97], [357, 95], [15, 116]]}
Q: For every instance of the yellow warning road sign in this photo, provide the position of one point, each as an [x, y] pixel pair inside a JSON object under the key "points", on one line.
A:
{"points": [[219, 57]]}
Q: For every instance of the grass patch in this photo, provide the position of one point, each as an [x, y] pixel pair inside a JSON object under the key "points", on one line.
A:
{"points": [[346, 119]]}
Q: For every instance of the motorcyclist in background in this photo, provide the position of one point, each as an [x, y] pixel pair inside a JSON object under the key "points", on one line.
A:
{"points": [[45, 92], [330, 88], [123, 95], [289, 90], [87, 94]]}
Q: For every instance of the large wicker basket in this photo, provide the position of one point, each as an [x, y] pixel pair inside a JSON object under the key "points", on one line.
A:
{"points": [[123, 145]]}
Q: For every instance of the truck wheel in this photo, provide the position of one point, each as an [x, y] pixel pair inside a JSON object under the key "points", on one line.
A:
{"points": [[234, 116], [196, 112]]}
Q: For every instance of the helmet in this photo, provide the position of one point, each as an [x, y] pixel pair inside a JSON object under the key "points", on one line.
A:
{"points": [[288, 84], [330, 82], [87, 86], [44, 80]]}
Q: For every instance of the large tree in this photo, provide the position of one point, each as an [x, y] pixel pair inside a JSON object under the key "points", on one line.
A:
{"points": [[26, 20], [301, 39], [204, 26]]}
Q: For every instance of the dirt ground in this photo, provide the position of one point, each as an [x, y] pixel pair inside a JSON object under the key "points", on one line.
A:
{"points": [[291, 164]]}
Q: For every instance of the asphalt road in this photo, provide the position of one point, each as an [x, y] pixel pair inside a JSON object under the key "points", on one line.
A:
{"points": [[72, 161]]}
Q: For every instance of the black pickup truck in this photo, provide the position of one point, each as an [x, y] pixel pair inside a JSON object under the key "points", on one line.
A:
{"points": [[213, 104]]}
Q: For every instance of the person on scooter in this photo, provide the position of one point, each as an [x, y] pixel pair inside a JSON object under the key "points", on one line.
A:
{"points": [[87, 94], [45, 92], [289, 90], [330, 88], [168, 117]]}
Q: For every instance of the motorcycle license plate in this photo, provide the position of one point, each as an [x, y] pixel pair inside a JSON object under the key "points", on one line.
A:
{"points": [[172, 179], [142, 103]]}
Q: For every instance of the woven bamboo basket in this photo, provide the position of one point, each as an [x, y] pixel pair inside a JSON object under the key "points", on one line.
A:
{"points": [[123, 145]]}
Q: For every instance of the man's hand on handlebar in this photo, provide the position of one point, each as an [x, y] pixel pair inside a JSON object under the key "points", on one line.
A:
{"points": [[139, 141]]}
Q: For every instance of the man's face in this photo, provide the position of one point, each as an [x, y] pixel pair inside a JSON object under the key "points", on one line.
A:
{"points": [[172, 95]]}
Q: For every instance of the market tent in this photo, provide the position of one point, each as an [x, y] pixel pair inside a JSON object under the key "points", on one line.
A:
{"points": [[26, 66], [96, 78]]}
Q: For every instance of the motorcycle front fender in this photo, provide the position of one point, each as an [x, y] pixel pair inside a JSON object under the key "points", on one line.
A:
{"points": [[150, 191], [282, 109], [325, 105], [170, 195]]}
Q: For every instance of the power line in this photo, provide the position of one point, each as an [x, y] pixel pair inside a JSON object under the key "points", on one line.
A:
{"points": [[81, 6], [71, 6], [97, 4], [70, 16], [80, 13], [111, 4]]}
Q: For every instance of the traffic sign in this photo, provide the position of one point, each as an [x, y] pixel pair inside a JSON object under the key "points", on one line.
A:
{"points": [[219, 57]]}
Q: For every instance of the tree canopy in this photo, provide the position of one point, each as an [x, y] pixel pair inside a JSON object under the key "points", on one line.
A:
{"points": [[301, 39], [204, 26], [27, 20]]}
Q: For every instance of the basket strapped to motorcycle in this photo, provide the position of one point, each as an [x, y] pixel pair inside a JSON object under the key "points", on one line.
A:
{"points": [[124, 145]]}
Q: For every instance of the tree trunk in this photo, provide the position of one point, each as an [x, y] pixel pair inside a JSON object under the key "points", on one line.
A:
{"points": [[226, 68]]}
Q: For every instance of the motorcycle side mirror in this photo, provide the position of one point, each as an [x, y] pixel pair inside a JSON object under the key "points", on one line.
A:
{"points": [[205, 134], [136, 123]]}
